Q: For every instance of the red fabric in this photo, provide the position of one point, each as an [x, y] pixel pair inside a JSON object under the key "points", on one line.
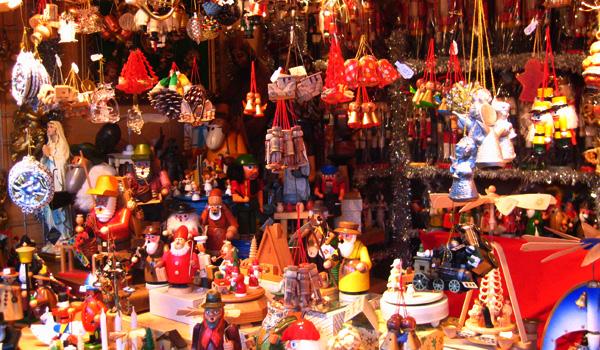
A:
{"points": [[538, 285], [178, 267], [240, 188], [214, 336], [118, 226]]}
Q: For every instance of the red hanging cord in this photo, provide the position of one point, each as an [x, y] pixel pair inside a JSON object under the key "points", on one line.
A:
{"points": [[549, 57], [252, 79]]}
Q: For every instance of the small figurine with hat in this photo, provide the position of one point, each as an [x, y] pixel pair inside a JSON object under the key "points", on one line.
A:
{"points": [[205, 264], [214, 333], [302, 334], [540, 134], [106, 219], [247, 192], [183, 215], [142, 162], [150, 255], [356, 263], [180, 262], [330, 187], [11, 304], [64, 315], [91, 308], [236, 282], [254, 272], [220, 223]]}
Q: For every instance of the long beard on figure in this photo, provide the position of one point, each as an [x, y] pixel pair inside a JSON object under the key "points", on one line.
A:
{"points": [[179, 251], [105, 213], [214, 216], [151, 247], [346, 248], [191, 223], [215, 139]]}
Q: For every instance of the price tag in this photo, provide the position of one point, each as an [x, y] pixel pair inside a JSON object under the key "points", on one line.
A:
{"points": [[298, 71], [96, 57], [405, 71], [531, 27], [276, 74]]}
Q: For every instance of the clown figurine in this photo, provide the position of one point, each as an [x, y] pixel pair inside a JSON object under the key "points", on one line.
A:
{"points": [[214, 333], [106, 220], [229, 254], [330, 187], [150, 255], [220, 223], [247, 192], [356, 263], [180, 262]]}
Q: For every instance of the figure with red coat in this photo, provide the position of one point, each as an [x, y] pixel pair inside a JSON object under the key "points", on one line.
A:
{"points": [[237, 284], [106, 219], [246, 192], [214, 333], [180, 262], [90, 311], [254, 274], [330, 187], [220, 222]]}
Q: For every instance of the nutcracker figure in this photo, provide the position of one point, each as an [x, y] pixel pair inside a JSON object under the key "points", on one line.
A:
{"points": [[106, 219], [214, 333], [150, 255], [331, 188], [356, 263], [11, 302], [180, 262], [220, 223], [142, 163], [247, 192]]}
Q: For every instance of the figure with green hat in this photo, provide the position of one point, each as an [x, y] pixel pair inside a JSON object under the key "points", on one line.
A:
{"points": [[214, 333], [142, 163], [246, 192]]}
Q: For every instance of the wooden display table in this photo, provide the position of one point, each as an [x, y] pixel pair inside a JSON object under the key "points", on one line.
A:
{"points": [[285, 216]]}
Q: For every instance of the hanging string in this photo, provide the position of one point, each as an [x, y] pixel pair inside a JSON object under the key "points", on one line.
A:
{"points": [[549, 58], [195, 72], [479, 36], [252, 78]]}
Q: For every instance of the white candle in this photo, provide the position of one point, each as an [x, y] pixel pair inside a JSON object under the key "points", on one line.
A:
{"points": [[118, 328], [103, 330], [80, 342], [134, 321]]}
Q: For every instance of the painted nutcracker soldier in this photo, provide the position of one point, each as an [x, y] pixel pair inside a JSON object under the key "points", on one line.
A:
{"points": [[330, 187], [220, 223], [11, 303], [356, 263], [214, 333], [247, 192], [150, 255], [180, 262], [107, 220]]}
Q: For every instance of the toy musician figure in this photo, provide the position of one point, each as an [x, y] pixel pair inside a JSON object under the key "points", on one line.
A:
{"points": [[247, 192], [214, 333], [331, 187]]}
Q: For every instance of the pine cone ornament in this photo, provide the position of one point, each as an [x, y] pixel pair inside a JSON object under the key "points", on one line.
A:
{"points": [[195, 96], [167, 102]]}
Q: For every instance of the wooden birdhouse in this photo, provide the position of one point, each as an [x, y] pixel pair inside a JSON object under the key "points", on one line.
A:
{"points": [[274, 251]]}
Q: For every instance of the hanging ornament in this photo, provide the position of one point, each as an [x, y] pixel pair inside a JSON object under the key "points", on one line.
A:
{"points": [[194, 29], [30, 185], [28, 76], [127, 21], [137, 75], [67, 31], [135, 121]]}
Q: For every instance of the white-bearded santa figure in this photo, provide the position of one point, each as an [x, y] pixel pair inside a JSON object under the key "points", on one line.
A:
{"points": [[180, 262], [183, 215]]}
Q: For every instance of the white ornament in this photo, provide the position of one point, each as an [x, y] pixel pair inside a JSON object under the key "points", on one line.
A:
{"points": [[67, 30]]}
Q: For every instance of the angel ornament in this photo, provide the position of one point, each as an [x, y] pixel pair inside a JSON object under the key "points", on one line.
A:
{"points": [[489, 153], [505, 131], [463, 187]]}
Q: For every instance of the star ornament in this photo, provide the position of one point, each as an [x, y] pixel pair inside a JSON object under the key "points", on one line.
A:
{"points": [[531, 79]]}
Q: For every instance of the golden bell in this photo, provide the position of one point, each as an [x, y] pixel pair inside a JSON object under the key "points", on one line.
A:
{"points": [[366, 120], [427, 98], [353, 109], [25, 254], [249, 106], [545, 93], [260, 110]]}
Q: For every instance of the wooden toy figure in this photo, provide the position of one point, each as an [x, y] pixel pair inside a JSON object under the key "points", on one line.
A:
{"points": [[142, 162], [150, 255], [247, 192], [356, 263], [214, 333], [11, 304], [229, 254], [534, 222], [90, 312], [107, 220], [180, 262], [331, 188], [205, 264], [220, 223]]}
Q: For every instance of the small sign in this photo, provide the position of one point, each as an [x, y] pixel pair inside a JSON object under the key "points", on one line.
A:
{"points": [[405, 71], [298, 71]]}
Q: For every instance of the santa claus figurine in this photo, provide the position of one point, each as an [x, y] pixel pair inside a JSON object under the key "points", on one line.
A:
{"points": [[106, 220], [220, 222], [254, 274], [302, 334], [183, 214], [180, 262], [150, 255], [238, 286]]}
